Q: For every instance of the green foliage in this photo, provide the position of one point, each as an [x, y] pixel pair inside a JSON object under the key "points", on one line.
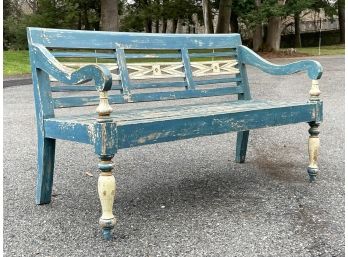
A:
{"points": [[140, 11]]}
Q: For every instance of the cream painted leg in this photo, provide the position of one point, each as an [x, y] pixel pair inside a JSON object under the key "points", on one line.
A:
{"points": [[106, 191], [313, 150]]}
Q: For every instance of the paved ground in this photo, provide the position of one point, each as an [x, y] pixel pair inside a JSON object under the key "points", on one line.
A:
{"points": [[186, 198]]}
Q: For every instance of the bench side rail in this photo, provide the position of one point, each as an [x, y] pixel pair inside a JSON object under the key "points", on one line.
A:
{"points": [[313, 68]]}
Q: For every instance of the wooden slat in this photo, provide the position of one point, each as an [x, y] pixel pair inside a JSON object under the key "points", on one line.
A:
{"points": [[151, 131], [79, 88], [83, 55], [73, 39], [140, 55], [147, 85], [184, 94], [187, 69], [75, 101], [178, 55]]}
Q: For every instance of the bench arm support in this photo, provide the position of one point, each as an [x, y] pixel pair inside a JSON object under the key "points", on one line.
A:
{"points": [[313, 68], [44, 60]]}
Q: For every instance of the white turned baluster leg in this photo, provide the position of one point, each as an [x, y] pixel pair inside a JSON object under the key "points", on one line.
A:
{"points": [[313, 141], [106, 191], [313, 150]]}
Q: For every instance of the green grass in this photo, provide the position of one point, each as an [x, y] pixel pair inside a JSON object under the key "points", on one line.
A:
{"points": [[324, 50], [16, 63]]}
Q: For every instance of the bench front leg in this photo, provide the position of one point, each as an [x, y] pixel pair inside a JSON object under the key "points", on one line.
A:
{"points": [[313, 150], [313, 141], [106, 191]]}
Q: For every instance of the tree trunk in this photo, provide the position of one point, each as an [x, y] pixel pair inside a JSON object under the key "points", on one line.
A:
{"points": [[148, 25], [109, 15], [157, 26], [175, 25], [208, 21], [79, 22], [341, 19], [257, 38], [224, 16], [257, 35], [164, 25], [274, 30], [85, 18], [234, 22], [297, 31]]}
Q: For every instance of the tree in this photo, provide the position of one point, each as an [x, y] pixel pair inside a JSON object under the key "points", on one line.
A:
{"points": [[207, 17], [257, 35], [224, 16], [341, 18], [109, 15]]}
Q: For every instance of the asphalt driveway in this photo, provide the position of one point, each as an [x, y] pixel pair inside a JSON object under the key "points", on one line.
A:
{"points": [[186, 198]]}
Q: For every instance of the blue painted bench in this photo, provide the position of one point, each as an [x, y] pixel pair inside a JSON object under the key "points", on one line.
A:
{"points": [[136, 67]]}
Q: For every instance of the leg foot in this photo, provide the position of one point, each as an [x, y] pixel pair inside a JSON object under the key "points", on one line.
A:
{"points": [[312, 174], [313, 150], [45, 166], [106, 191], [106, 232], [242, 144]]}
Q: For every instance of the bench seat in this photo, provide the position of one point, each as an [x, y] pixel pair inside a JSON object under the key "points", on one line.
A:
{"points": [[160, 124]]}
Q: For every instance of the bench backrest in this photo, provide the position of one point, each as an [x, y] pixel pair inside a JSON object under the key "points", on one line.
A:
{"points": [[197, 65]]}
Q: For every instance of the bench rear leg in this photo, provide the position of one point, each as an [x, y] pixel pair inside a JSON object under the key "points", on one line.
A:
{"points": [[45, 166], [106, 191], [242, 144], [313, 150]]}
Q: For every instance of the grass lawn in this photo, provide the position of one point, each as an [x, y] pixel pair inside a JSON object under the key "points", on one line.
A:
{"points": [[17, 62], [324, 50]]}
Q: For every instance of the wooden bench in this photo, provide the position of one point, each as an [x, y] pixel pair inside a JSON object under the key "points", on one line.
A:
{"points": [[141, 67]]}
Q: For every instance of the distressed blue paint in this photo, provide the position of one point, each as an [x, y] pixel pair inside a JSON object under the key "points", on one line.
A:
{"points": [[150, 125], [45, 60], [145, 85], [71, 130], [106, 138], [46, 146], [241, 146], [122, 66], [141, 55], [75, 101], [313, 68], [164, 130], [83, 55], [60, 38], [187, 69], [173, 95]]}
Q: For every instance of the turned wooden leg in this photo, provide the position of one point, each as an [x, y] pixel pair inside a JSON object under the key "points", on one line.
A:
{"points": [[106, 191], [313, 150]]}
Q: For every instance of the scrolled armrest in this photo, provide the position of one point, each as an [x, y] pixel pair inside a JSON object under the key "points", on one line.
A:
{"points": [[313, 68], [44, 60]]}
